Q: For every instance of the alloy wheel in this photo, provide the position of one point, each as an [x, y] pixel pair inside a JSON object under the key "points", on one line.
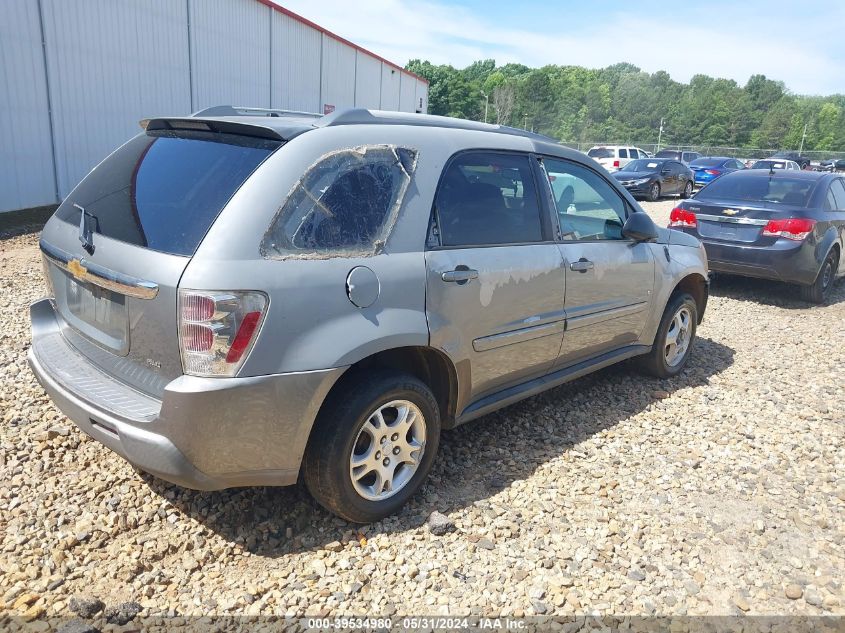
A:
{"points": [[387, 450], [678, 337]]}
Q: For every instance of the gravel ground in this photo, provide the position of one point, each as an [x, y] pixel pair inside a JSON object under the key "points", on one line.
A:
{"points": [[721, 491]]}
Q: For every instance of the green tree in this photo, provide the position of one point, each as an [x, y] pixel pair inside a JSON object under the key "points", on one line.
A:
{"points": [[622, 103]]}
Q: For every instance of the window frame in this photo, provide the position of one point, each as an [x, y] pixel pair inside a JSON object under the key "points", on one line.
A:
{"points": [[830, 190], [551, 204], [434, 241]]}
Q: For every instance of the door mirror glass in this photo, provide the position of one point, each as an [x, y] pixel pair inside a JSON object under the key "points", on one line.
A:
{"points": [[640, 228]]}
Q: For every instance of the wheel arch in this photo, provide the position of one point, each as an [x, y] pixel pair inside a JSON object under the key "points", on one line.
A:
{"points": [[428, 364], [696, 285]]}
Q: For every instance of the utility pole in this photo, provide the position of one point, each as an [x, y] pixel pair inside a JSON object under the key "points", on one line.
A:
{"points": [[486, 105], [803, 136], [659, 136]]}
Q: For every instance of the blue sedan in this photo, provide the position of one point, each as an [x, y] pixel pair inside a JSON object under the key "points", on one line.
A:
{"points": [[707, 169]]}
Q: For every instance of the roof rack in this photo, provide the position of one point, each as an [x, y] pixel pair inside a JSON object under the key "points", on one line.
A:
{"points": [[228, 110], [359, 116]]}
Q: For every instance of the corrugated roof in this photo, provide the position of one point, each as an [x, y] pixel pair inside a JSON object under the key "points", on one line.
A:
{"points": [[324, 31]]}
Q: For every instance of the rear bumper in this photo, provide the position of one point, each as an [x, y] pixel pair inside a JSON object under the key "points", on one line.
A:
{"points": [[205, 433], [785, 260]]}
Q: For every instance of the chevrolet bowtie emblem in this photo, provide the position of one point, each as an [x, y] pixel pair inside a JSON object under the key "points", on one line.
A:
{"points": [[76, 268], [731, 211]]}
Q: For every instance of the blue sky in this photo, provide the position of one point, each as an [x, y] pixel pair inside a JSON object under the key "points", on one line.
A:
{"points": [[797, 42]]}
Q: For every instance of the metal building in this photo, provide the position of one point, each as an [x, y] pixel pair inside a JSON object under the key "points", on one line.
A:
{"points": [[76, 77]]}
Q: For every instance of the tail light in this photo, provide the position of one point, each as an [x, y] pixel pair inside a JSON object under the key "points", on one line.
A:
{"points": [[712, 172], [217, 329], [791, 228], [682, 217], [616, 163]]}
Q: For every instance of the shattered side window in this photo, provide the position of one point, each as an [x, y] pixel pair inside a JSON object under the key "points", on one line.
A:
{"points": [[345, 204]]}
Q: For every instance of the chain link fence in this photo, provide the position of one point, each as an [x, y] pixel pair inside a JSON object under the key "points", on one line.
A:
{"points": [[744, 153]]}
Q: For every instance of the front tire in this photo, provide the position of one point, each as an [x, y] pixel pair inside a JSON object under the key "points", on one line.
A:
{"points": [[819, 290], [675, 338], [372, 445], [654, 192], [687, 193]]}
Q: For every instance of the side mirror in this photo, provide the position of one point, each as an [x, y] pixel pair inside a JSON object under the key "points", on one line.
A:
{"points": [[640, 228]]}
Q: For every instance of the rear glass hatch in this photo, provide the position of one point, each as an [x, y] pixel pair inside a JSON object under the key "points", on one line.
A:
{"points": [[126, 233]]}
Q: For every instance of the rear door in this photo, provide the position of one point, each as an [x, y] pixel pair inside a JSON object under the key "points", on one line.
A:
{"points": [[609, 279], [495, 284], [668, 178], [117, 246]]}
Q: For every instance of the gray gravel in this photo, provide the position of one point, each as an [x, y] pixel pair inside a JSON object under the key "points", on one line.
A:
{"points": [[721, 491]]}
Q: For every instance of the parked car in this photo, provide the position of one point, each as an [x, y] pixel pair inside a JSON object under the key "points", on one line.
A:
{"points": [[255, 297], [802, 161], [706, 169], [771, 164], [654, 177], [615, 157], [783, 225], [840, 165], [824, 165], [684, 156]]}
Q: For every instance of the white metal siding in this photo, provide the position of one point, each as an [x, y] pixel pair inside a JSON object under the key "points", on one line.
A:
{"points": [[295, 65], [111, 63], [407, 93], [389, 87], [230, 53], [338, 81], [421, 100], [26, 154], [367, 82]]}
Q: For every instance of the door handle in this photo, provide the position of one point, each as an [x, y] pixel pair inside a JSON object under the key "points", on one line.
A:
{"points": [[459, 275], [581, 266]]}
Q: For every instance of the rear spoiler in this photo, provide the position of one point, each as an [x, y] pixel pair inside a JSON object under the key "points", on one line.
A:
{"points": [[207, 120], [212, 125]]}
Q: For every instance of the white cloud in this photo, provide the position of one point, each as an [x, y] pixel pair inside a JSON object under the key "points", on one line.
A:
{"points": [[735, 43]]}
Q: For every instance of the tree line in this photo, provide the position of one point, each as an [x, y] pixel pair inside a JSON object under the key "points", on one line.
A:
{"points": [[622, 103]]}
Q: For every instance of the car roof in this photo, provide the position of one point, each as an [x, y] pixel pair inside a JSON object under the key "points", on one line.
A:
{"points": [[287, 124]]}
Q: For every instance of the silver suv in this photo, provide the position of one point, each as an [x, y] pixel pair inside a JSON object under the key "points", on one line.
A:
{"points": [[240, 296]]}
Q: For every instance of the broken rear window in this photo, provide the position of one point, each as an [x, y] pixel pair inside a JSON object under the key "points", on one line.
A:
{"points": [[345, 204]]}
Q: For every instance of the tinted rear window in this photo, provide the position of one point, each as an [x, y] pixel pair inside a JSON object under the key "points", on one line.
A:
{"points": [[163, 190], [749, 187], [600, 152], [668, 154]]}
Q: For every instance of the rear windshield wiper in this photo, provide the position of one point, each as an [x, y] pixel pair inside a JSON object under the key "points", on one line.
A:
{"points": [[86, 235]]}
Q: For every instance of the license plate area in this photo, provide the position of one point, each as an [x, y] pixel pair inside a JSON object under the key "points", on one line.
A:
{"points": [[729, 231], [99, 314]]}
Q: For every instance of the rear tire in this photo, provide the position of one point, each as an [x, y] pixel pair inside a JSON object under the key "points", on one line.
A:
{"points": [[675, 338], [654, 192], [819, 290], [361, 441], [687, 190]]}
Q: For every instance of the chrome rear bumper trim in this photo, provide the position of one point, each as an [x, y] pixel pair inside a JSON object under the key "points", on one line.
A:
{"points": [[90, 272]]}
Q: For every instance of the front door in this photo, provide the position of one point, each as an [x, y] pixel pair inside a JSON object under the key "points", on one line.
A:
{"points": [[609, 279], [495, 281]]}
